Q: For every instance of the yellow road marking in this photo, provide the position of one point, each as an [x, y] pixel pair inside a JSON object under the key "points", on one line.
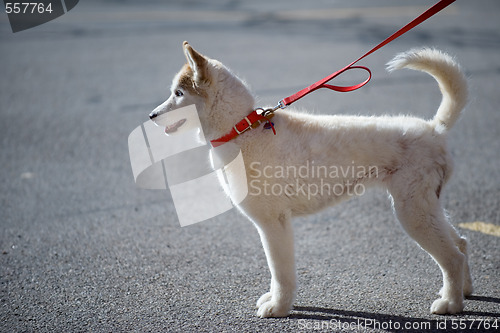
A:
{"points": [[485, 228]]}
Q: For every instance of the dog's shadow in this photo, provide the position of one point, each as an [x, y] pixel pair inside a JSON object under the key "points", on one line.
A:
{"points": [[483, 299], [343, 319]]}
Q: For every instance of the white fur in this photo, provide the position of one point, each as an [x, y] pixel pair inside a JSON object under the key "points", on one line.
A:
{"points": [[406, 155]]}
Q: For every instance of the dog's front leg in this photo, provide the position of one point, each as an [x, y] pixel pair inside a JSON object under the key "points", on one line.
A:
{"points": [[277, 240]]}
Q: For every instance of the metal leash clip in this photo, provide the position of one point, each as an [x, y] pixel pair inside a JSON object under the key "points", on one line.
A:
{"points": [[269, 112]]}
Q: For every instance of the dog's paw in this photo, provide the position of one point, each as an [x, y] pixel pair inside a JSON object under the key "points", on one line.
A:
{"points": [[272, 309], [445, 306], [263, 299]]}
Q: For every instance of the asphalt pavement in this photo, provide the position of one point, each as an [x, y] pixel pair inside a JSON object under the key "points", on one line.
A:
{"points": [[84, 249]]}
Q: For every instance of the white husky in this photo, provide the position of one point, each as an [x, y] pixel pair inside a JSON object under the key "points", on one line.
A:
{"points": [[317, 161]]}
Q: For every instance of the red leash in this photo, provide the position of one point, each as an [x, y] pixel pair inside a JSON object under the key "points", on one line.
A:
{"points": [[322, 83], [261, 115]]}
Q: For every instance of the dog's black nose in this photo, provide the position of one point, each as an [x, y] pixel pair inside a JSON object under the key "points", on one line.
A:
{"points": [[152, 116]]}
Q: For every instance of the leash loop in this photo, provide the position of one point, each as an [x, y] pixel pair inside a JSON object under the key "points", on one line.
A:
{"points": [[348, 88]]}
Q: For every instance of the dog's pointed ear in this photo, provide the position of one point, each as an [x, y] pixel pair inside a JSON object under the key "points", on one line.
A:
{"points": [[197, 62]]}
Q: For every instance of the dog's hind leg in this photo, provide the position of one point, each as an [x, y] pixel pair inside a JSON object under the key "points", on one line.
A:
{"points": [[277, 240], [462, 245], [420, 213]]}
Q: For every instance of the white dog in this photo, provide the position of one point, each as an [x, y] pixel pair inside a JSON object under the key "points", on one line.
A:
{"points": [[316, 161]]}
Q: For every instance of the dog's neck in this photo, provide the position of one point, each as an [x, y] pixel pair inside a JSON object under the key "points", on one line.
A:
{"points": [[216, 127], [223, 109]]}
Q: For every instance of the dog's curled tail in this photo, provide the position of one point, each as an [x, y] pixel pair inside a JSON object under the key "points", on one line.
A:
{"points": [[447, 73]]}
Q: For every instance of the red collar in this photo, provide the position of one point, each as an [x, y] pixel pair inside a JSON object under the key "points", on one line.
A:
{"points": [[253, 120]]}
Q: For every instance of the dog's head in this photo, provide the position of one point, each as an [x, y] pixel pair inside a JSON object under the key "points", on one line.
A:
{"points": [[221, 98]]}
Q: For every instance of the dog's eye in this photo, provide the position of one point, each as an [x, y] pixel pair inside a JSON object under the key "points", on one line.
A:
{"points": [[179, 93]]}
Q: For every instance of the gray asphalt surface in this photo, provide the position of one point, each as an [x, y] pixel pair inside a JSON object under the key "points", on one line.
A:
{"points": [[84, 249]]}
